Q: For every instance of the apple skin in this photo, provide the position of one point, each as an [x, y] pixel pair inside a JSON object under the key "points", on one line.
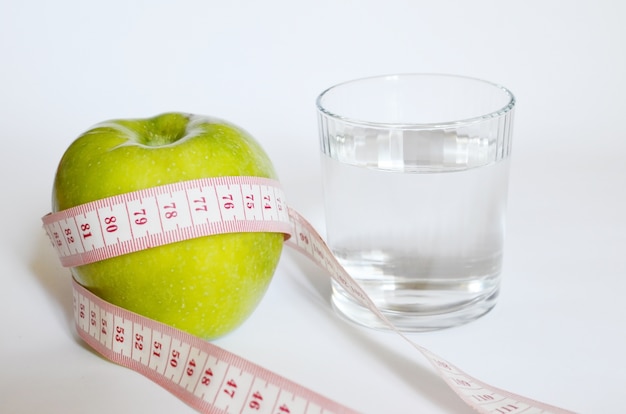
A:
{"points": [[206, 286]]}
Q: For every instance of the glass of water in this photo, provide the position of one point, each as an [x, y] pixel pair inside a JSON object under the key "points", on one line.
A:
{"points": [[415, 172]]}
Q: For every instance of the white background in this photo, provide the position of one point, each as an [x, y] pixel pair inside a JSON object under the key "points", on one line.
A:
{"points": [[558, 331]]}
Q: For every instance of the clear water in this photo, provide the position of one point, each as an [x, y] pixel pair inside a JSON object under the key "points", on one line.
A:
{"points": [[426, 246]]}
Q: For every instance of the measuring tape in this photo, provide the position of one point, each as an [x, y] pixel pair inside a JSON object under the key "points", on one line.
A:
{"points": [[165, 214], [206, 377]]}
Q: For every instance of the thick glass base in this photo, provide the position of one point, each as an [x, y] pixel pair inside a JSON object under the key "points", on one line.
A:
{"points": [[416, 310]]}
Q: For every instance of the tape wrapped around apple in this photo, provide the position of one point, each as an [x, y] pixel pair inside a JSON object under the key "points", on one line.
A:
{"points": [[206, 286]]}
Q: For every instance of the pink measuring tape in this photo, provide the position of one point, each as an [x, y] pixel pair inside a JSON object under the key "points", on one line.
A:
{"points": [[206, 377]]}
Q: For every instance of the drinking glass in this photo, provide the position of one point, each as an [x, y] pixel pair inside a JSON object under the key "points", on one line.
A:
{"points": [[415, 173]]}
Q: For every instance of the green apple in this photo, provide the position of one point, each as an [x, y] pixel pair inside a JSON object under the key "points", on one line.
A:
{"points": [[206, 286]]}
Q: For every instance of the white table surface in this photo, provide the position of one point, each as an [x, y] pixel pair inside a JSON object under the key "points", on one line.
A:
{"points": [[558, 333]]}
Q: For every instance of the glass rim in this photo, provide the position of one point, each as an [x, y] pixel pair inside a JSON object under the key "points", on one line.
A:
{"points": [[464, 121]]}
